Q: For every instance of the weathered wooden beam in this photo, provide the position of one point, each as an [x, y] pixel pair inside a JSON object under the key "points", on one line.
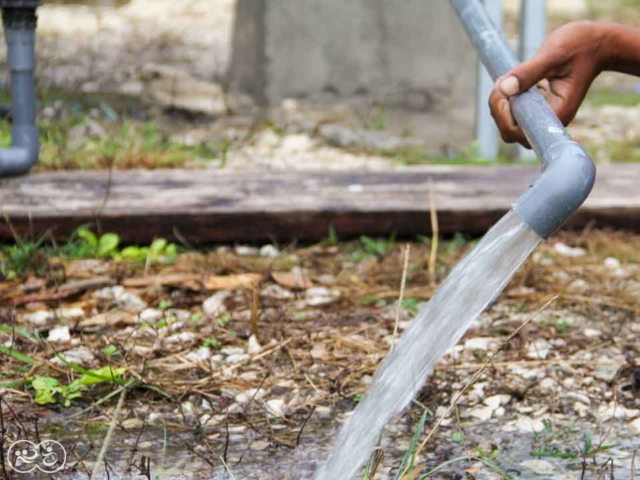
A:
{"points": [[224, 206]]}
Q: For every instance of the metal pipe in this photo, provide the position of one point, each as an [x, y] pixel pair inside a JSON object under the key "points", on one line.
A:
{"points": [[20, 27], [487, 134], [568, 173]]}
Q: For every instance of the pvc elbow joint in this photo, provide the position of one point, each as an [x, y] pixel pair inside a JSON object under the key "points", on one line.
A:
{"points": [[23, 153], [568, 175]]}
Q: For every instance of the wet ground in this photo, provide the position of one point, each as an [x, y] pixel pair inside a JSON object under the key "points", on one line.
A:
{"points": [[256, 356]]}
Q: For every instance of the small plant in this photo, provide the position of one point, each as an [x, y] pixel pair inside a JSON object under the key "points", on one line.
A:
{"points": [[224, 320], [25, 256], [372, 248], [372, 300], [49, 390], [110, 351], [160, 251], [86, 244], [410, 304], [211, 343]]}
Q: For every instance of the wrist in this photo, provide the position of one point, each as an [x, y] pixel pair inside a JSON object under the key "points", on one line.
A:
{"points": [[618, 47]]}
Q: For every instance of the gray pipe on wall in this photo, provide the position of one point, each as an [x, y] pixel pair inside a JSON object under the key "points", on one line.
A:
{"points": [[20, 29], [568, 173]]}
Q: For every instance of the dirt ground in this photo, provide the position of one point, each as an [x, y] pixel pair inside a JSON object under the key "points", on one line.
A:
{"points": [[252, 357]]}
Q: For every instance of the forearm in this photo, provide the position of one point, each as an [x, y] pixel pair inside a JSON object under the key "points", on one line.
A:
{"points": [[620, 48]]}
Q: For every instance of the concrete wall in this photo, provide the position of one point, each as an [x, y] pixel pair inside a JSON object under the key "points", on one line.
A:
{"points": [[404, 53]]}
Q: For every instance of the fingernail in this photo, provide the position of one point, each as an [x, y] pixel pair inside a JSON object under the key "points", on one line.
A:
{"points": [[510, 86]]}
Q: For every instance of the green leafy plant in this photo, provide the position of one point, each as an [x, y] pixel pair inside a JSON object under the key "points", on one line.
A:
{"points": [[86, 244], [160, 251], [50, 390], [372, 248], [211, 343]]}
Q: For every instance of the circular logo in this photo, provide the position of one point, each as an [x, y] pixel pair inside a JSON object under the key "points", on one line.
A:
{"points": [[48, 456]]}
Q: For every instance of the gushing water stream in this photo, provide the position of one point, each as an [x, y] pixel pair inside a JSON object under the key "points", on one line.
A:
{"points": [[472, 285]]}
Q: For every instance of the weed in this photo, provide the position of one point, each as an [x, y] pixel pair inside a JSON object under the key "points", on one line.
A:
{"points": [[411, 304], [224, 320], [211, 343], [372, 300], [49, 390], [372, 248]]}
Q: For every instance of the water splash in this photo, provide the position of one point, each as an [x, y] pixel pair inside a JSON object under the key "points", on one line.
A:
{"points": [[472, 285]]}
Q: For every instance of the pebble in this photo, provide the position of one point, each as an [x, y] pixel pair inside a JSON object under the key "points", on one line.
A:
{"points": [[529, 425], [607, 412], [481, 343], [496, 401], [80, 356], [580, 397], [277, 407], [567, 251], [277, 292], [578, 285], [232, 350], [59, 334], [547, 384], [39, 318], [612, 263], [539, 349], [320, 296], [237, 358], [540, 467], [150, 315], [636, 424], [254, 346], [323, 412], [592, 333], [246, 251], [269, 251], [250, 395], [182, 337], [132, 424], [482, 413], [214, 305], [259, 445], [199, 355]]}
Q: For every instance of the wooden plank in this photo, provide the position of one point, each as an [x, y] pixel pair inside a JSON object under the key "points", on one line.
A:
{"points": [[226, 206]]}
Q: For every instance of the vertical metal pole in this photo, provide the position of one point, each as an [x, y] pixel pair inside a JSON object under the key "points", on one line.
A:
{"points": [[533, 29], [486, 130]]}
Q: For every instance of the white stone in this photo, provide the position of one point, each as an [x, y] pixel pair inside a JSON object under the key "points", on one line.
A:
{"points": [[496, 401], [80, 356], [324, 412], [254, 346], [250, 395], [199, 355], [539, 349], [182, 337], [150, 315], [269, 251], [499, 412], [580, 397], [232, 350], [320, 296], [276, 291], [578, 285], [482, 413], [612, 263], [547, 384], [130, 302], [481, 343], [540, 467], [59, 334], [568, 251], [246, 251], [592, 333], [39, 318], [529, 425], [581, 409], [237, 358], [277, 407], [73, 313], [607, 412], [214, 305], [636, 424]]}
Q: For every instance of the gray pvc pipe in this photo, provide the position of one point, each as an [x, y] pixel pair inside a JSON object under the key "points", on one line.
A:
{"points": [[25, 146], [568, 172]]}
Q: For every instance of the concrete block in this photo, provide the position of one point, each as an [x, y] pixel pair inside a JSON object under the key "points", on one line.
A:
{"points": [[409, 54]]}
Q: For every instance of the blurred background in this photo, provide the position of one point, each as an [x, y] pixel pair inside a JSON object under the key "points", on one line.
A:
{"points": [[242, 84]]}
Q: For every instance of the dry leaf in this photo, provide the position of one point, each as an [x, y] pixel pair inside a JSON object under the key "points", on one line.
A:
{"points": [[232, 282], [294, 280]]}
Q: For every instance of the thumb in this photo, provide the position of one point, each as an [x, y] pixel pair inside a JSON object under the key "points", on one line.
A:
{"points": [[527, 74]]}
